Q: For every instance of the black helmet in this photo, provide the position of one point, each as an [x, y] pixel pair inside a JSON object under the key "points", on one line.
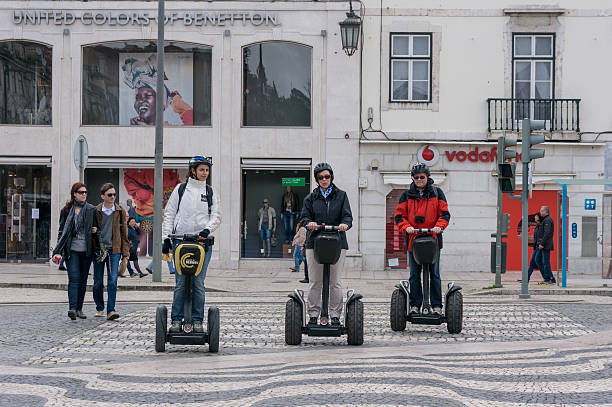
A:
{"points": [[322, 167], [198, 159], [420, 168]]}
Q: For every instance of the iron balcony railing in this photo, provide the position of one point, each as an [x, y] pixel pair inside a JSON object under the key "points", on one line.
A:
{"points": [[559, 114]]}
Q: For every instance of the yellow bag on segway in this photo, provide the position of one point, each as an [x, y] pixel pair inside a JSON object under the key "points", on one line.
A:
{"points": [[189, 258]]}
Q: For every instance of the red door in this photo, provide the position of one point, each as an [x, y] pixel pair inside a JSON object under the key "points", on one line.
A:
{"points": [[513, 207], [395, 245]]}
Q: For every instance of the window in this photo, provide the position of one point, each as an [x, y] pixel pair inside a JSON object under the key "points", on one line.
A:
{"points": [[410, 70], [25, 81], [276, 84], [120, 82], [533, 66]]}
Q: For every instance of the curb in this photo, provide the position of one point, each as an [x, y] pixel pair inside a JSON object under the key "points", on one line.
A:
{"points": [[64, 287], [552, 291]]}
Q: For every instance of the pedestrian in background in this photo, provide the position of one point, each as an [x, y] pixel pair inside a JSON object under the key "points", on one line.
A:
{"points": [[114, 244], [544, 243], [298, 255], [534, 262], [133, 233], [78, 225], [266, 225]]}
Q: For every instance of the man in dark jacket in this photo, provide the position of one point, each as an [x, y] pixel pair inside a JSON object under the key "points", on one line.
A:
{"points": [[326, 204], [544, 242], [422, 206]]}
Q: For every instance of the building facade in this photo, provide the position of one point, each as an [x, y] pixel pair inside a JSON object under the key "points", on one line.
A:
{"points": [[265, 89]]}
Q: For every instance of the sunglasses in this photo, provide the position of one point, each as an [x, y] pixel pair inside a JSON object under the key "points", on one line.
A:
{"points": [[420, 177], [265, 202], [322, 177], [81, 192], [111, 195]]}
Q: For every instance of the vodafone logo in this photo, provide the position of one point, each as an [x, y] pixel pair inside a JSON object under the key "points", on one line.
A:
{"points": [[428, 154]]}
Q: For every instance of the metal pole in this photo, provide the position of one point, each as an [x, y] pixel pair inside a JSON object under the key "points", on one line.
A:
{"points": [[82, 160], [159, 146], [498, 233], [563, 238], [525, 232]]}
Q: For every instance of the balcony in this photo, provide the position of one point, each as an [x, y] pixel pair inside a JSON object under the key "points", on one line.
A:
{"points": [[561, 115]]}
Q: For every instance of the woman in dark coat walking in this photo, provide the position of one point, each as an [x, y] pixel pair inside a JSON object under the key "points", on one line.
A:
{"points": [[77, 239], [134, 238]]}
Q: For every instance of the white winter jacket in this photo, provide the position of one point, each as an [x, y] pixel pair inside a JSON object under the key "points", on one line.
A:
{"points": [[192, 216]]}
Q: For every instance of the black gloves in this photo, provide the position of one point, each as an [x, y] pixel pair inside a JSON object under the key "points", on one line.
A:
{"points": [[204, 233], [167, 246]]}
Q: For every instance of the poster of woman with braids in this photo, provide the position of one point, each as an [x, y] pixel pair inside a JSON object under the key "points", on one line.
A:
{"points": [[139, 184], [137, 90]]}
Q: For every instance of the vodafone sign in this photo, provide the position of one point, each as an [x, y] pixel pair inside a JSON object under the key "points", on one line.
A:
{"points": [[428, 154]]}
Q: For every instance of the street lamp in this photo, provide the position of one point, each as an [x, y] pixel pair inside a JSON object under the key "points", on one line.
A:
{"points": [[349, 31]]}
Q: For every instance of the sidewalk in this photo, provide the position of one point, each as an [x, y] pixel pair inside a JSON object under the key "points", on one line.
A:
{"points": [[280, 281]]}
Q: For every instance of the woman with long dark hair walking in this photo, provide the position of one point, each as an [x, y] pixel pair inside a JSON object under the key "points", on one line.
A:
{"points": [[76, 241]]}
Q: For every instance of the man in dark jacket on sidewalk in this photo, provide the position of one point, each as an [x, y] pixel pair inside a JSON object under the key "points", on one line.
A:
{"points": [[326, 204], [544, 242]]}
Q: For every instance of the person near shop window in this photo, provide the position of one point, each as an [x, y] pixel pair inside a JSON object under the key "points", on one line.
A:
{"points": [[114, 244], [298, 254], [190, 214], [266, 225], [326, 204], [77, 240], [423, 206], [289, 210], [544, 243], [534, 262], [133, 234]]}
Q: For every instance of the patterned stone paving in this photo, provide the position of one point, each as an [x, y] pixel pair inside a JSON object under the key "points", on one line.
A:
{"points": [[385, 371]]}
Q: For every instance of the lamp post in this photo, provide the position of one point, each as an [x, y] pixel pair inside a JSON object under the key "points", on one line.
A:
{"points": [[349, 31]]}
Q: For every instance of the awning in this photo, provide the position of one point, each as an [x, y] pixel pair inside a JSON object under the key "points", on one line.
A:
{"points": [[135, 162], [15, 160], [405, 178], [276, 163]]}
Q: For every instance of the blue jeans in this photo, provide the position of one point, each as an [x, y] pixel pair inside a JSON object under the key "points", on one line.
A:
{"points": [[170, 266], [112, 267], [534, 263], [416, 289], [545, 268], [198, 294], [78, 270], [298, 255], [289, 221], [266, 233]]}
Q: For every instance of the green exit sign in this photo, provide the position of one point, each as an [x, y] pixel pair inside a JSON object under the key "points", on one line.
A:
{"points": [[294, 182]]}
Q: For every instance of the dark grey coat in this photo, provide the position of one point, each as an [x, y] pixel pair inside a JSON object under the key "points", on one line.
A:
{"points": [[332, 211], [545, 233], [66, 231]]}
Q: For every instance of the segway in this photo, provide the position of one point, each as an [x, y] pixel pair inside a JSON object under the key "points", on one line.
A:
{"points": [[425, 252], [327, 249], [188, 258]]}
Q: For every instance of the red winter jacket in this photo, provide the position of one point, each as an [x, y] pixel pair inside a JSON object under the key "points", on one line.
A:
{"points": [[432, 206]]}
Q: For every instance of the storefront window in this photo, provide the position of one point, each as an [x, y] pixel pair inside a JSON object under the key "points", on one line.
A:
{"points": [[25, 82], [135, 188], [277, 84], [120, 82], [25, 212], [284, 190]]}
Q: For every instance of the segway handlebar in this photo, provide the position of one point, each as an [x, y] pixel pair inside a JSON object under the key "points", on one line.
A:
{"points": [[328, 228], [209, 241]]}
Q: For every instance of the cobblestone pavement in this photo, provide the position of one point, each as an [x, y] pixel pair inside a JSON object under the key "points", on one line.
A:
{"points": [[507, 355]]}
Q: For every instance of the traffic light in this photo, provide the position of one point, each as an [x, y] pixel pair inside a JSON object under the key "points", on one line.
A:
{"points": [[506, 171], [528, 153], [505, 175], [505, 226]]}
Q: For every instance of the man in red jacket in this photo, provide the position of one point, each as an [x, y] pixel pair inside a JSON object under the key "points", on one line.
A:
{"points": [[422, 206]]}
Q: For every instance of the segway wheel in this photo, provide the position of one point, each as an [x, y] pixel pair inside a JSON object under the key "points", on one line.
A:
{"points": [[354, 323], [398, 310], [293, 322], [213, 329], [454, 312], [161, 327]]}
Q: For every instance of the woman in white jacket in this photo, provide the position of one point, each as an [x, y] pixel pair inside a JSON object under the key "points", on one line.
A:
{"points": [[190, 214]]}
